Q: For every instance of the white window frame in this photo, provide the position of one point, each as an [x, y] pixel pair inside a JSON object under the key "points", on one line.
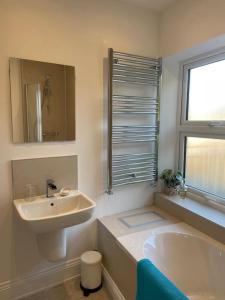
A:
{"points": [[205, 129]]}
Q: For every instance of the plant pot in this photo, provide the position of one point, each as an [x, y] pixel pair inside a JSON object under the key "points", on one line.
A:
{"points": [[170, 191]]}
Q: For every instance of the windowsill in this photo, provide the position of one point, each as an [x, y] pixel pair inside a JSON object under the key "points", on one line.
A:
{"points": [[205, 218], [200, 209]]}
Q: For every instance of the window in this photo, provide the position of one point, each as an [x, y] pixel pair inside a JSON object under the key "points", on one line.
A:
{"points": [[204, 161], [206, 93], [202, 126]]}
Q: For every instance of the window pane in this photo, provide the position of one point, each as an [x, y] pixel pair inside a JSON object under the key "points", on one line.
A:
{"points": [[207, 92], [205, 165]]}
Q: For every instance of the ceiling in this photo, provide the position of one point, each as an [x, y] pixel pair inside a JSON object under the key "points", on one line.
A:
{"points": [[157, 5]]}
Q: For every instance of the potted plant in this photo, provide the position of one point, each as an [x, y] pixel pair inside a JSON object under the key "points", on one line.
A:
{"points": [[171, 180]]}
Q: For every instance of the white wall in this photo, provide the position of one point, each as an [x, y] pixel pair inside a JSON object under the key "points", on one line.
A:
{"points": [[190, 22], [187, 29], [71, 32]]}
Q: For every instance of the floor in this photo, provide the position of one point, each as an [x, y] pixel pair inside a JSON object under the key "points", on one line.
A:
{"points": [[69, 290]]}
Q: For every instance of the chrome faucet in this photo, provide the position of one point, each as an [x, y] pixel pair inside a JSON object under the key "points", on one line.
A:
{"points": [[50, 187]]}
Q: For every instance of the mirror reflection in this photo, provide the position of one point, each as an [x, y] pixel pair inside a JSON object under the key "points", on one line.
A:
{"points": [[42, 100]]}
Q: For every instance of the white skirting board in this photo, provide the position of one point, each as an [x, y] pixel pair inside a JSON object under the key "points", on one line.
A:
{"points": [[111, 287], [35, 282]]}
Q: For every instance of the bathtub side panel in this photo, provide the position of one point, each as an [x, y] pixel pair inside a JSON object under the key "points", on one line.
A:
{"points": [[121, 267]]}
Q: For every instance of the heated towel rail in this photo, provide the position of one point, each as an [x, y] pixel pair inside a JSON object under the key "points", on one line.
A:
{"points": [[133, 118]]}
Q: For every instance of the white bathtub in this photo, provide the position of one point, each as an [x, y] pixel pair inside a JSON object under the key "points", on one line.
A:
{"points": [[189, 258]]}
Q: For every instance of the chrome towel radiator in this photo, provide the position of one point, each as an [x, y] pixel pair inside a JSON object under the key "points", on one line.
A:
{"points": [[133, 118]]}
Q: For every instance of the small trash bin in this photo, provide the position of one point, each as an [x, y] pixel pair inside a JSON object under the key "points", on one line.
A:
{"points": [[91, 272]]}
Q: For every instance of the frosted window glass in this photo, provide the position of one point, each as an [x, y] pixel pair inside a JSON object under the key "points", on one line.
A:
{"points": [[205, 165], [206, 99]]}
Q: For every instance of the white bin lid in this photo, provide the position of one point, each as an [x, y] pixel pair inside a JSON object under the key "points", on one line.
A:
{"points": [[91, 257]]}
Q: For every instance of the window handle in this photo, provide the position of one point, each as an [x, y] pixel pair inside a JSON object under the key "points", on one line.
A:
{"points": [[216, 124]]}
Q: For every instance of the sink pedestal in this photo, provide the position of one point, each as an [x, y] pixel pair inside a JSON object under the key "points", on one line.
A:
{"points": [[52, 245]]}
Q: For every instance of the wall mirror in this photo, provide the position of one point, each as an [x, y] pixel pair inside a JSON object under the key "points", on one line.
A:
{"points": [[42, 101]]}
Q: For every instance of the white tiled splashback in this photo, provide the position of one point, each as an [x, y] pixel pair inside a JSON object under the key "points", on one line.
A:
{"points": [[35, 171]]}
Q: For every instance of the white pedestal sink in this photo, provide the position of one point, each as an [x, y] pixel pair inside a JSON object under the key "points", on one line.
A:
{"points": [[48, 218]]}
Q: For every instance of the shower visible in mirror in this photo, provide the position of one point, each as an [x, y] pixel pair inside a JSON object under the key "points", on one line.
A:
{"points": [[42, 101]]}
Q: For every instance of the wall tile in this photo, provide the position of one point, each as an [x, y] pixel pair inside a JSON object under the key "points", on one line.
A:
{"points": [[63, 170]]}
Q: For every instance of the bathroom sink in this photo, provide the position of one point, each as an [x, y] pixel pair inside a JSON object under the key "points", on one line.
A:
{"points": [[50, 214]]}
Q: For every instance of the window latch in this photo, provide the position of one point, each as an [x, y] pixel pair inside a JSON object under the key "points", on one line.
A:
{"points": [[216, 124]]}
